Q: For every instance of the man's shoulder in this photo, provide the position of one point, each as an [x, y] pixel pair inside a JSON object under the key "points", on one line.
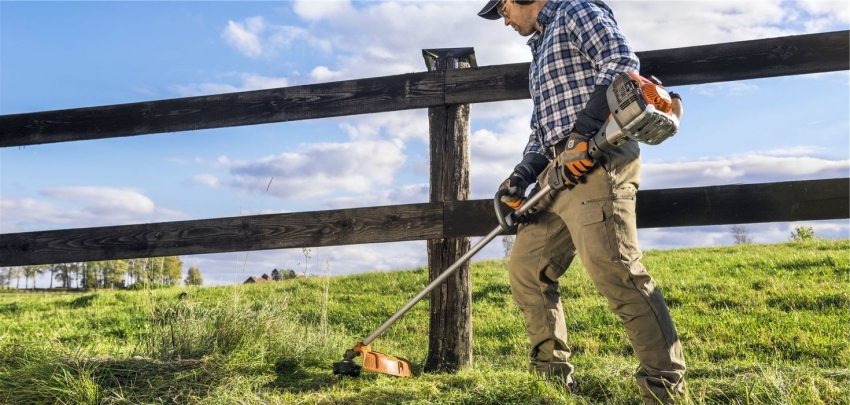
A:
{"points": [[577, 8]]}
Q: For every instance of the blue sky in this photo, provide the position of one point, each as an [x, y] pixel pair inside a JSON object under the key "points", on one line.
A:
{"points": [[69, 54]]}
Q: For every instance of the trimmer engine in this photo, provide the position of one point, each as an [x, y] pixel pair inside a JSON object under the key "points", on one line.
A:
{"points": [[641, 109]]}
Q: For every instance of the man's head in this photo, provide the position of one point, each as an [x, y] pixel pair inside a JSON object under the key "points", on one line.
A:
{"points": [[521, 15]]}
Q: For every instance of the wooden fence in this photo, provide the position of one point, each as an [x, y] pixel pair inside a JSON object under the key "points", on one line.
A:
{"points": [[443, 217]]}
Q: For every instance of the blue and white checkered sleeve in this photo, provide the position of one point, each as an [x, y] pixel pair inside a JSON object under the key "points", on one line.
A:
{"points": [[534, 145], [601, 40]]}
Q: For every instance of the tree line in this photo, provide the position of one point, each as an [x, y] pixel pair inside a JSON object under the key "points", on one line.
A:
{"points": [[152, 272]]}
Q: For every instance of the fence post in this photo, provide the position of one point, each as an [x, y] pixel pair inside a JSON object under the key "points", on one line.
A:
{"points": [[450, 332]]}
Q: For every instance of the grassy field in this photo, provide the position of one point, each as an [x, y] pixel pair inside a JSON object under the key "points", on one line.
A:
{"points": [[760, 324]]}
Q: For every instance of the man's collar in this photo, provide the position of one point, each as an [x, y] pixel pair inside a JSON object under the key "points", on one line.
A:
{"points": [[547, 13]]}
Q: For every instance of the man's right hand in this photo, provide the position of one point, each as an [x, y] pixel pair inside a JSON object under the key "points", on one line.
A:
{"points": [[524, 173], [514, 187]]}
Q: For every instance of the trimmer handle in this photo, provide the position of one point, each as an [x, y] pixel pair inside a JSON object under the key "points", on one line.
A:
{"points": [[506, 221]]}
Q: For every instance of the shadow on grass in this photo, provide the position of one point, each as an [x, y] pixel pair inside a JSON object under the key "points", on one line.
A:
{"points": [[294, 376]]}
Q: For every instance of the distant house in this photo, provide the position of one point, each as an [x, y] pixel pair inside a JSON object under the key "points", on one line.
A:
{"points": [[257, 279]]}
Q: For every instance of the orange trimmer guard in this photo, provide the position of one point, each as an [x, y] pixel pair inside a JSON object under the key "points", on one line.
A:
{"points": [[382, 363]]}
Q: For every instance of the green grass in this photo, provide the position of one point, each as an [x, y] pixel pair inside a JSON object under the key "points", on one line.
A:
{"points": [[760, 324]]}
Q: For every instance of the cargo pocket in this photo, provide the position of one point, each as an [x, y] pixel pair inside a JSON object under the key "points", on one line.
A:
{"points": [[609, 224], [597, 229]]}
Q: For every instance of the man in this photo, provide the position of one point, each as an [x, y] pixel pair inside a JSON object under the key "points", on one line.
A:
{"points": [[577, 51]]}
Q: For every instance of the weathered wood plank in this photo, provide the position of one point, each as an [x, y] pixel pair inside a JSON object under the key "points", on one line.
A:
{"points": [[784, 56], [745, 203], [450, 312], [276, 231], [715, 205], [362, 96], [770, 57], [487, 83]]}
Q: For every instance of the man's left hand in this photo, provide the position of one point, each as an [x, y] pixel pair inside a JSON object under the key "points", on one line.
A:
{"points": [[574, 161]]}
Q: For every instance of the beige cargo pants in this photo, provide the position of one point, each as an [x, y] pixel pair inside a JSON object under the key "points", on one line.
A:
{"points": [[595, 219]]}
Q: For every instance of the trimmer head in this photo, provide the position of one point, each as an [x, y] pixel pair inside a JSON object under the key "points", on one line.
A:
{"points": [[372, 361], [347, 367]]}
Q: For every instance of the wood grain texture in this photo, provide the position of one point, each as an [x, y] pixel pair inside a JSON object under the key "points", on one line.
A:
{"points": [[450, 309], [714, 205], [259, 232], [362, 96], [695, 206], [784, 56]]}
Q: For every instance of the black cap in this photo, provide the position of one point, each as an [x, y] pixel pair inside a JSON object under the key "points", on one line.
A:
{"points": [[491, 10]]}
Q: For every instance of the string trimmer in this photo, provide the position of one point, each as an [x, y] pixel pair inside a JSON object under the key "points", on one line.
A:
{"points": [[641, 110]]}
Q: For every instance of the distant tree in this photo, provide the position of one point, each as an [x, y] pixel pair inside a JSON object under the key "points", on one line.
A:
{"points": [[194, 277], [153, 271], [53, 268], [27, 275], [287, 274], [68, 273], [113, 273], [741, 234], [803, 233], [17, 273], [89, 272], [276, 275], [76, 270], [508, 245], [6, 276], [31, 272], [172, 271], [135, 269], [63, 274]]}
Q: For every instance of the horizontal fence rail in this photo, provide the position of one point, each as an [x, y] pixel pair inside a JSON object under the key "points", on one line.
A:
{"points": [[698, 206], [715, 205], [771, 57]]}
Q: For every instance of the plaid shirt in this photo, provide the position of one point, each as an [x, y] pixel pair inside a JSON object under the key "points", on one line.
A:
{"points": [[580, 47]]}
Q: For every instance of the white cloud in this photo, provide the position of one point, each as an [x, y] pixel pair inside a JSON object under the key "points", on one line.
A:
{"points": [[323, 9], [396, 125], [82, 206], [323, 74], [254, 37], [405, 194], [728, 89], [244, 82], [245, 36], [831, 11], [206, 180], [322, 169], [104, 200], [720, 235], [756, 167], [229, 268], [658, 25], [18, 213]]}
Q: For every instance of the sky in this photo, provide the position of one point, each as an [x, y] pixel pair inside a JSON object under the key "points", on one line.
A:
{"points": [[56, 55]]}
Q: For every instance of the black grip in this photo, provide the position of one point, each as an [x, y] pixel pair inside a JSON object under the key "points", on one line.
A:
{"points": [[506, 221]]}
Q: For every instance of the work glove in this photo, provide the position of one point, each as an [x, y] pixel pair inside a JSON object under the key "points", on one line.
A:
{"points": [[574, 162], [515, 186], [523, 175]]}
